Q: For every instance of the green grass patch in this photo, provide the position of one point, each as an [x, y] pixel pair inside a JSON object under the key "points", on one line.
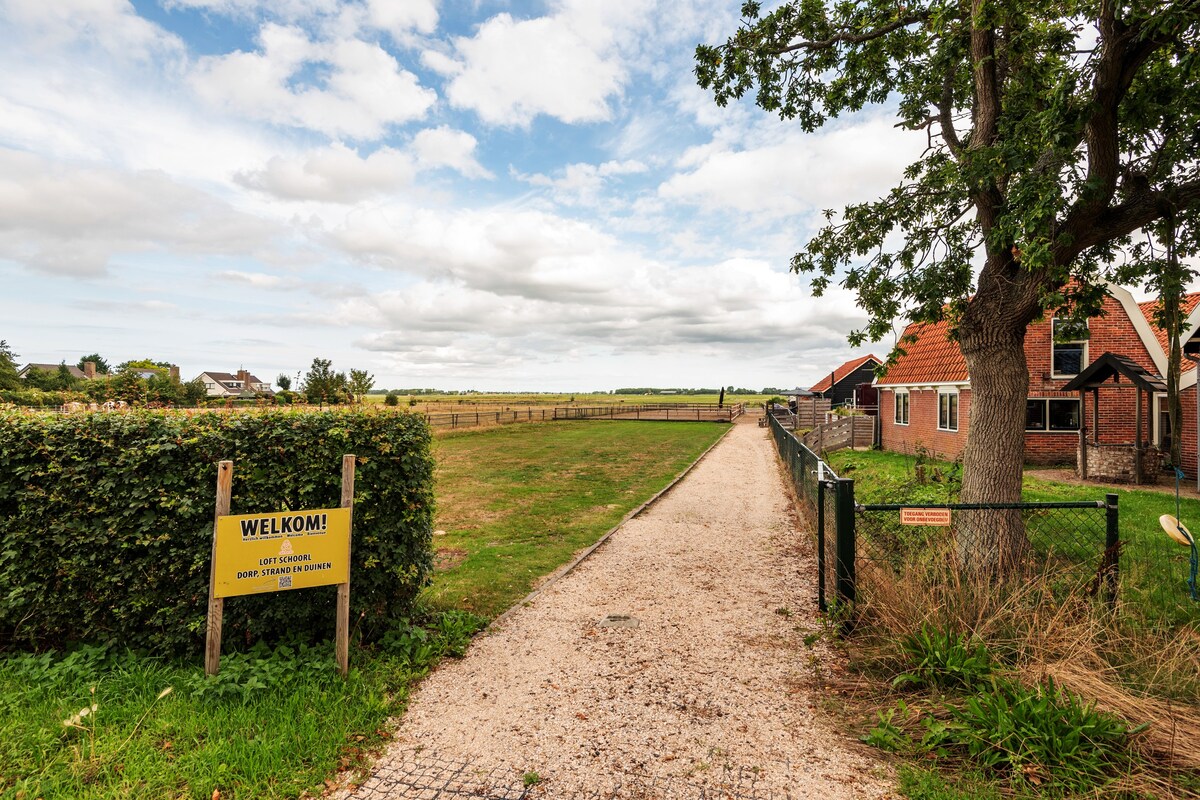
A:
{"points": [[516, 502], [921, 783], [1154, 569], [272, 725]]}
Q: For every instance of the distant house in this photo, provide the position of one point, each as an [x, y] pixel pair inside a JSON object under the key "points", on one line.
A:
{"points": [[76, 372], [838, 386], [242, 384]]}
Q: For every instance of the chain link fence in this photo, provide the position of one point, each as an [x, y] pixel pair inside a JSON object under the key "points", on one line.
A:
{"points": [[1074, 546]]}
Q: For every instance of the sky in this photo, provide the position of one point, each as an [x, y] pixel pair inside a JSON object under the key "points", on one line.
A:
{"points": [[507, 196]]}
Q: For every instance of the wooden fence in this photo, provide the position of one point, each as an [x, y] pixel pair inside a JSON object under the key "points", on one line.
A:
{"points": [[810, 412], [855, 431], [666, 412]]}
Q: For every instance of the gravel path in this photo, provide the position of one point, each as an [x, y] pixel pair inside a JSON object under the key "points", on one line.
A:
{"points": [[700, 693]]}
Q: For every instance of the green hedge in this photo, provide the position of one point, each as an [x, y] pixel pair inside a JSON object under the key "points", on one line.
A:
{"points": [[107, 521], [36, 398]]}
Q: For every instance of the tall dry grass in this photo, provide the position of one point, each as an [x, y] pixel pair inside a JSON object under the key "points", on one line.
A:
{"points": [[1039, 632]]}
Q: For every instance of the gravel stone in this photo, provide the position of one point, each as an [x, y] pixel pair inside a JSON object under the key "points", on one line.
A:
{"points": [[706, 698]]}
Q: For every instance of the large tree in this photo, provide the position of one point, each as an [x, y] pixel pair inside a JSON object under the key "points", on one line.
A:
{"points": [[1055, 131], [100, 361], [8, 367], [322, 384], [360, 383]]}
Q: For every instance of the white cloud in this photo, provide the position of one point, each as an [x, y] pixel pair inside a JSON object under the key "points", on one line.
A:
{"points": [[249, 9], [505, 251], [339, 174], [113, 25], [334, 174], [797, 173], [446, 147], [566, 65], [365, 92], [75, 220], [399, 17], [581, 184], [259, 280]]}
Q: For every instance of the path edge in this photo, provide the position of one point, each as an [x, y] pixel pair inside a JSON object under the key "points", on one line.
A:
{"points": [[562, 572]]}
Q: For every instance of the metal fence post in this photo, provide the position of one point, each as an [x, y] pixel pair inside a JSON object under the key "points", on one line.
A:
{"points": [[845, 540], [821, 546], [1112, 547]]}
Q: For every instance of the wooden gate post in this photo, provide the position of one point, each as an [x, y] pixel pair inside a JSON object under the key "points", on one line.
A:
{"points": [[342, 643], [216, 605]]}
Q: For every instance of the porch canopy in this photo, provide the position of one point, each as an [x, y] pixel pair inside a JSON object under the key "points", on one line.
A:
{"points": [[1111, 366]]}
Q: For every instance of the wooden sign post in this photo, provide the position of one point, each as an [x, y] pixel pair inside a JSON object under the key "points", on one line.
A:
{"points": [[216, 605], [342, 641], [280, 551]]}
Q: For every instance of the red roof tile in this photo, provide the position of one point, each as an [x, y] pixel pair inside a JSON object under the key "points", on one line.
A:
{"points": [[841, 372], [933, 358], [1190, 301]]}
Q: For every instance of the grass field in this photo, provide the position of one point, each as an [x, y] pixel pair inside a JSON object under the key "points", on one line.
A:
{"points": [[516, 503], [515, 506]]}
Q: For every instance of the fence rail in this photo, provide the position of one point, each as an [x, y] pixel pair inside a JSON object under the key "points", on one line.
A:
{"points": [[665, 412]]}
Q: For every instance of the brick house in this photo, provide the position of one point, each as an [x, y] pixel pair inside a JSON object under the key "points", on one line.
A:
{"points": [[925, 397], [838, 386]]}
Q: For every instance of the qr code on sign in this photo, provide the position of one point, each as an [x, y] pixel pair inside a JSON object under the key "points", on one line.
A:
{"points": [[285, 581]]}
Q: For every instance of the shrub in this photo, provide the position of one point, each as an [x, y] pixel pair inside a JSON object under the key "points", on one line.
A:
{"points": [[391, 399], [943, 659], [108, 521], [1037, 735]]}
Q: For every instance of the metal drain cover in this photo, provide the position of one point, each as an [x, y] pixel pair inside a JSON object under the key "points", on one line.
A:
{"points": [[619, 621]]}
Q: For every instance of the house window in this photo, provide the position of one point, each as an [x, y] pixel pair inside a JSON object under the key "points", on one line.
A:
{"points": [[947, 411], [1162, 420], [901, 408], [1068, 346], [1051, 414]]}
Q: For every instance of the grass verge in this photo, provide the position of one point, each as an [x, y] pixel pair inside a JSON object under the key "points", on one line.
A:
{"points": [[517, 501], [1024, 690]]}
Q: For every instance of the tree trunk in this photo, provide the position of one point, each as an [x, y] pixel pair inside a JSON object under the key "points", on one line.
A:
{"points": [[993, 541]]}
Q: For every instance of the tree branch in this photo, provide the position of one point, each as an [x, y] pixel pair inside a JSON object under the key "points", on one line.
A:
{"points": [[1123, 219], [945, 112], [850, 38]]}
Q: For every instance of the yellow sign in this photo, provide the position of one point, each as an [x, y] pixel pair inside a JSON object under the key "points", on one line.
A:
{"points": [[275, 552]]}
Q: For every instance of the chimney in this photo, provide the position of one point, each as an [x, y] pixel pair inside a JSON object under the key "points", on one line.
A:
{"points": [[244, 377], [89, 370], [174, 374]]}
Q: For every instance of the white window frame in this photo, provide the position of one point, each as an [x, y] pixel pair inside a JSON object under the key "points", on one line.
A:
{"points": [[1083, 356], [1045, 401], [898, 393], [942, 393]]}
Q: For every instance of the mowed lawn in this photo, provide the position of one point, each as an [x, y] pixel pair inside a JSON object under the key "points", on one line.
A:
{"points": [[516, 502]]}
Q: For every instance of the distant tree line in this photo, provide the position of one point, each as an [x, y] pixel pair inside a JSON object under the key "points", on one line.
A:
{"points": [[142, 382], [149, 382]]}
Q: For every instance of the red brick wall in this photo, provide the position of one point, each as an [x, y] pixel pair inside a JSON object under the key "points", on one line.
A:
{"points": [[1112, 332], [923, 420]]}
